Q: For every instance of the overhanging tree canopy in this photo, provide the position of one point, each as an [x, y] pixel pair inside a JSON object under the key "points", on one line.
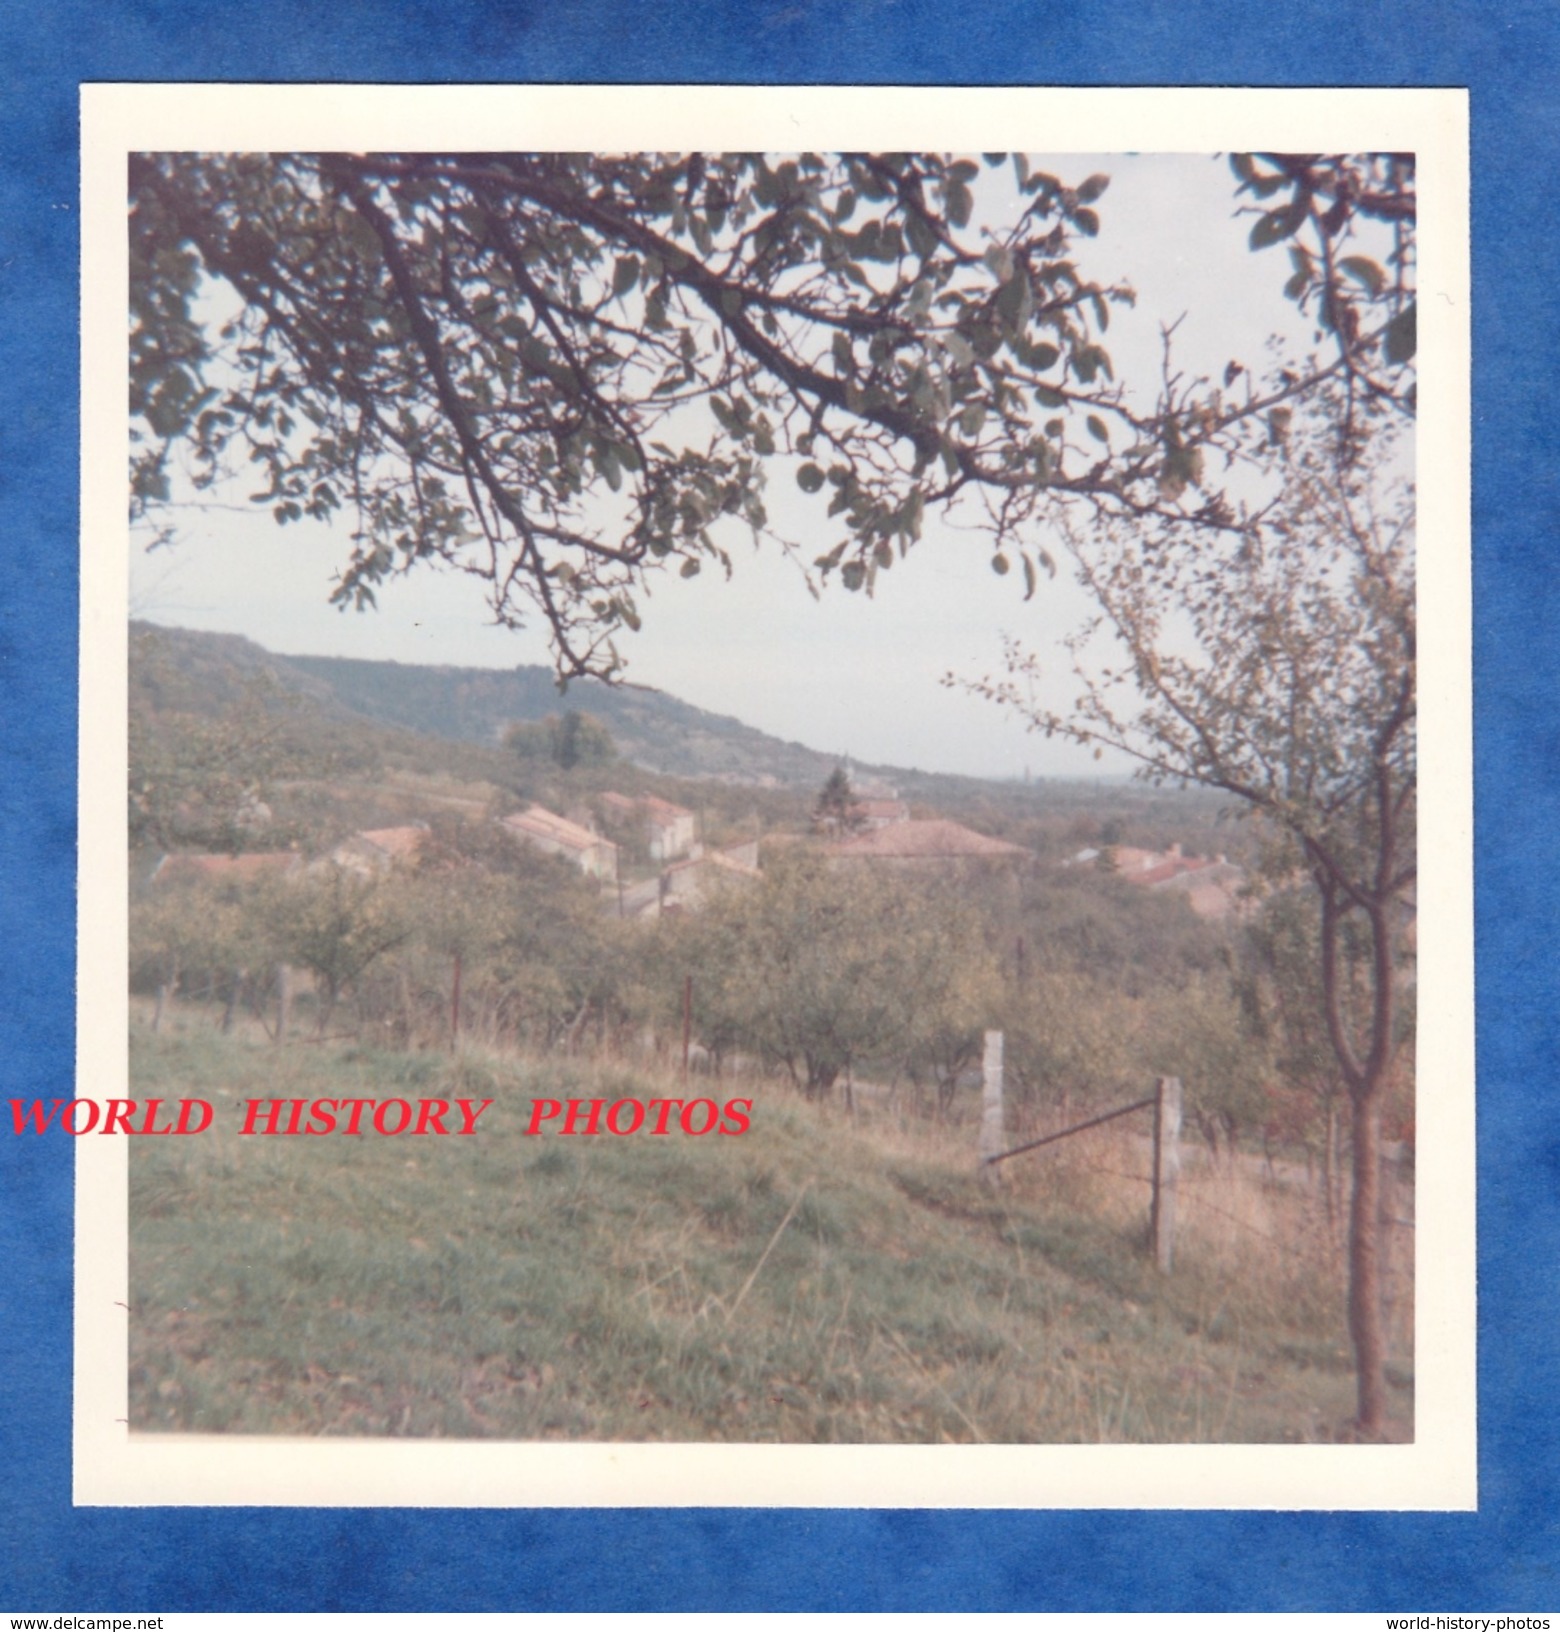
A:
{"points": [[559, 371]]}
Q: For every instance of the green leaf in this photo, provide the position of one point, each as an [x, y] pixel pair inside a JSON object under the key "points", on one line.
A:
{"points": [[1087, 222], [1000, 564], [922, 239], [1364, 271], [1277, 225], [1096, 427], [852, 575], [625, 274], [1402, 336], [1091, 189], [1015, 301], [689, 568], [809, 478]]}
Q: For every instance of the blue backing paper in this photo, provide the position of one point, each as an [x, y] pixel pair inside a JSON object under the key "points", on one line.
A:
{"points": [[1504, 1557]]}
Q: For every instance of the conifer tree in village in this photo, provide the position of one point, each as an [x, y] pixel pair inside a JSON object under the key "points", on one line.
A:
{"points": [[837, 810]]}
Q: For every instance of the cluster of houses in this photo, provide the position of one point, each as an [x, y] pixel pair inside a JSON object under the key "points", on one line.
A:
{"points": [[684, 870], [687, 870], [1211, 884]]}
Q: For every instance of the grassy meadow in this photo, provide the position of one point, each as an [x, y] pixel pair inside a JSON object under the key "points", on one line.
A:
{"points": [[826, 1277]]}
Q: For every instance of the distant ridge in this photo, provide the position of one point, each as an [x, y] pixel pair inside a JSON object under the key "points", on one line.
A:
{"points": [[650, 728], [355, 716]]}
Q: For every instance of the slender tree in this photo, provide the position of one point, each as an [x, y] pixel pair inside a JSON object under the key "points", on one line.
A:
{"points": [[1277, 664], [837, 810]]}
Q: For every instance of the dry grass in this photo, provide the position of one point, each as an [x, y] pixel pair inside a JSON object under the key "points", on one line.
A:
{"points": [[827, 1277]]}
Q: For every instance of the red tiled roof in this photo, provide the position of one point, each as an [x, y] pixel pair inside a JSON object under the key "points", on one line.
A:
{"points": [[719, 860], [928, 839], [188, 865], [663, 808], [1166, 870], [542, 824], [395, 841]]}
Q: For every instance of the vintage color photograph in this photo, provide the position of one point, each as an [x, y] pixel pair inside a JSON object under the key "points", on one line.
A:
{"points": [[773, 797]]}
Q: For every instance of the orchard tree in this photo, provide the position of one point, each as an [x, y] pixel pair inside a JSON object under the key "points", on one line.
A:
{"points": [[1276, 663], [1278, 979], [199, 779], [820, 965], [334, 923], [192, 927], [561, 372]]}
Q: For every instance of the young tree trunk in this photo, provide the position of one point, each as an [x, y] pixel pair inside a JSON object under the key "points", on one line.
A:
{"points": [[1365, 1326], [283, 1000], [235, 991], [328, 1009], [571, 1037], [408, 1016], [455, 1007], [1366, 1078]]}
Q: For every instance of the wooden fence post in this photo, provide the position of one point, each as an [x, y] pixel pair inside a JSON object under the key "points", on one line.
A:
{"points": [[1167, 1168], [991, 1107]]}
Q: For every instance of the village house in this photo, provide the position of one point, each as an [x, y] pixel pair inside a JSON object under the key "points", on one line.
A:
{"points": [[670, 831], [185, 867], [595, 856], [1211, 884], [875, 813], [687, 885], [378, 849], [936, 845]]}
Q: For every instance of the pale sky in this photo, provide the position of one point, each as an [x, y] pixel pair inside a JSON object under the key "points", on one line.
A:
{"points": [[846, 674]]}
